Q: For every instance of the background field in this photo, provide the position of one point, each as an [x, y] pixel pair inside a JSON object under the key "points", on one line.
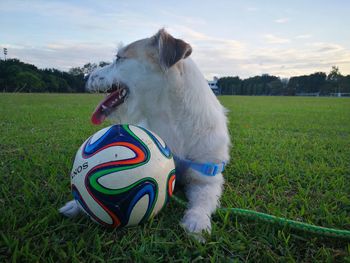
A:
{"points": [[290, 158]]}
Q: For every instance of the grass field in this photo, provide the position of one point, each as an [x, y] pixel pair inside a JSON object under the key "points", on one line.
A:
{"points": [[290, 157]]}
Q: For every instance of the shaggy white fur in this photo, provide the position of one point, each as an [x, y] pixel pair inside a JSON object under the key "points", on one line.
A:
{"points": [[169, 95]]}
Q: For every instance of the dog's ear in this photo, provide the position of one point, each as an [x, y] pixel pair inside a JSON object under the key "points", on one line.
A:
{"points": [[171, 49]]}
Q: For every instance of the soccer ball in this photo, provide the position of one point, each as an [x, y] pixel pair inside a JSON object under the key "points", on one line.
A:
{"points": [[122, 175]]}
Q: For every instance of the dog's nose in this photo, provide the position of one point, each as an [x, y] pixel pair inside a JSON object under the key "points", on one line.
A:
{"points": [[94, 82], [89, 82]]}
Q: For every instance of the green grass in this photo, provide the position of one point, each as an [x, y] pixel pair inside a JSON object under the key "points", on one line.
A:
{"points": [[290, 157]]}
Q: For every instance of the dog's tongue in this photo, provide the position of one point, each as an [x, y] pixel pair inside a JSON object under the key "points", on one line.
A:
{"points": [[98, 116], [105, 107]]}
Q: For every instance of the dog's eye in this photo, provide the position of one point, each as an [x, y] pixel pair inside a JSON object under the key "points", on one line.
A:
{"points": [[118, 58]]}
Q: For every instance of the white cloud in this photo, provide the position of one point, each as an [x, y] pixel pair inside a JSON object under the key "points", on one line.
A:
{"points": [[303, 36], [79, 17], [281, 20], [252, 9], [326, 47], [62, 55], [306, 59], [223, 57], [215, 53], [272, 39], [187, 20], [215, 56], [46, 8]]}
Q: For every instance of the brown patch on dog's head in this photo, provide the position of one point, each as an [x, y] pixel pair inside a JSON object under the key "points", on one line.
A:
{"points": [[170, 49], [142, 50], [133, 50]]}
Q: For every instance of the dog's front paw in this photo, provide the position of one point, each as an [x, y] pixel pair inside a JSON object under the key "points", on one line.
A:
{"points": [[70, 209], [196, 222]]}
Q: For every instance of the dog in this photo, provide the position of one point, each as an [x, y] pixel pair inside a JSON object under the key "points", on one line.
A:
{"points": [[155, 84]]}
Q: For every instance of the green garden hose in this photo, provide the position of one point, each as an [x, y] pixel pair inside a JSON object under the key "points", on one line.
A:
{"points": [[322, 231]]}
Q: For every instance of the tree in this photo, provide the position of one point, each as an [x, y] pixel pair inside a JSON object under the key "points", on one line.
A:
{"points": [[89, 67], [27, 81], [76, 71], [334, 74], [307, 83], [344, 85], [334, 77], [230, 85], [51, 83], [275, 87], [10, 80], [47, 80], [19, 76], [103, 63]]}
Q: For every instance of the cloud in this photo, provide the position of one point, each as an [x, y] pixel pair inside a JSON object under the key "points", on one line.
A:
{"points": [[215, 56], [272, 39], [252, 9], [215, 53], [205, 44], [62, 55], [303, 36], [46, 8], [80, 18], [230, 57], [187, 20], [326, 47], [281, 20], [302, 60]]}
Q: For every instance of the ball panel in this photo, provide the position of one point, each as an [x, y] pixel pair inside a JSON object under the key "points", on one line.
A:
{"points": [[139, 211], [99, 135], [171, 184], [108, 176], [93, 207], [115, 134], [122, 203], [149, 188], [163, 148]]}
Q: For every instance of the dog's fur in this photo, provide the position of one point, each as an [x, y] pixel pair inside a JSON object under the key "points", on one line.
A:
{"points": [[169, 95]]}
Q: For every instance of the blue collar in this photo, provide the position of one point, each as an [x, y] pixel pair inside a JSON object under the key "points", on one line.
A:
{"points": [[207, 169]]}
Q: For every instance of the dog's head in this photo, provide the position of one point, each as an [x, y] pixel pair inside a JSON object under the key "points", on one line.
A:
{"points": [[137, 78]]}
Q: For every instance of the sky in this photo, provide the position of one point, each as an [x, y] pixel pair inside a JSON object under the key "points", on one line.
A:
{"points": [[228, 38]]}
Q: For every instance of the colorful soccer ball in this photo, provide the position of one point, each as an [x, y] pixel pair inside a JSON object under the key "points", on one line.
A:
{"points": [[122, 175]]}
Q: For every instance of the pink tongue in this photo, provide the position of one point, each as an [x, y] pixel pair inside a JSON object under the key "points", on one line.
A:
{"points": [[98, 116]]}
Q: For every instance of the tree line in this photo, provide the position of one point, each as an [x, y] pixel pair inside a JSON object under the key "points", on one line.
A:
{"points": [[17, 76], [318, 83]]}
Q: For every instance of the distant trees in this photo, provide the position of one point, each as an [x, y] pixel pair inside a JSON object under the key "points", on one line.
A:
{"points": [[334, 78], [29, 81], [258, 85], [344, 84], [318, 82], [87, 68], [230, 85], [16, 76], [307, 84]]}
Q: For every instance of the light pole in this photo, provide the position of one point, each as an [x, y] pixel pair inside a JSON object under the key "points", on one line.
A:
{"points": [[5, 52]]}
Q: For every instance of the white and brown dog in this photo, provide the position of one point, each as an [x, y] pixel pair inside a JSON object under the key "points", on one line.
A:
{"points": [[153, 83]]}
